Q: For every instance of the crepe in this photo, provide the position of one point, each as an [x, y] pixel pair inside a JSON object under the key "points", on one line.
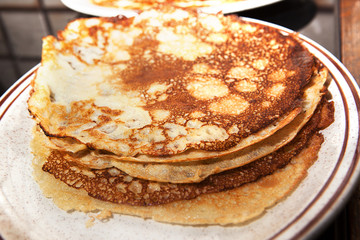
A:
{"points": [[71, 145], [175, 111], [116, 186], [231, 207], [197, 171], [228, 207], [167, 81]]}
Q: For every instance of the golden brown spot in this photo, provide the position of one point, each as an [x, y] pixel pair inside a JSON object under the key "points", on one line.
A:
{"points": [[249, 28], [245, 86], [233, 129], [197, 114], [160, 115], [261, 64], [241, 72], [156, 89], [203, 68], [206, 88], [128, 178], [153, 187], [276, 90], [217, 38], [232, 105], [266, 104], [211, 22], [121, 187], [186, 47], [135, 187], [277, 76]]}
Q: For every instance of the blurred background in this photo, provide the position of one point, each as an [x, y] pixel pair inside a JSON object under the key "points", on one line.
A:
{"points": [[24, 22]]}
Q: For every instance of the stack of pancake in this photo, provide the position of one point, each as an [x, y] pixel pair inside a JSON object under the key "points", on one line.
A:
{"points": [[175, 115]]}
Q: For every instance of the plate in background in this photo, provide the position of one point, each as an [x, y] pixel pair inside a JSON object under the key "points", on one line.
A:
{"points": [[87, 7]]}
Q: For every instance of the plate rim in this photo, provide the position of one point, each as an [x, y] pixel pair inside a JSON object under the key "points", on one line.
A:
{"points": [[339, 199]]}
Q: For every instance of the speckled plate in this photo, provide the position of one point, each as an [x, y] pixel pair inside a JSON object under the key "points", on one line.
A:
{"points": [[87, 7], [26, 213]]}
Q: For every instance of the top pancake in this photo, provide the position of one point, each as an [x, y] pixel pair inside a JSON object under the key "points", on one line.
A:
{"points": [[196, 171], [166, 81]]}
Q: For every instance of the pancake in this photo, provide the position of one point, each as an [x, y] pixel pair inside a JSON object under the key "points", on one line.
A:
{"points": [[175, 110], [197, 171], [213, 208], [116, 186], [234, 206], [230, 207], [74, 146], [167, 81]]}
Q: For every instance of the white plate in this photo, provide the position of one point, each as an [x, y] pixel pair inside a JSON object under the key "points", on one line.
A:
{"points": [[87, 7], [26, 213]]}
